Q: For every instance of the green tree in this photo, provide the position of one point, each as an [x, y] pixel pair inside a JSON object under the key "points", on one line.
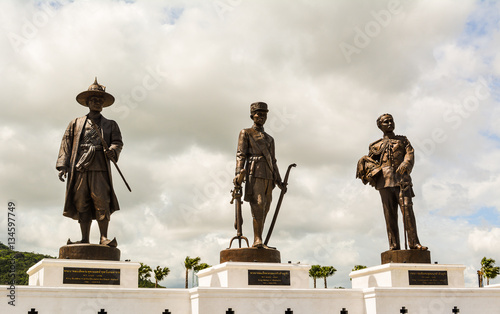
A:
{"points": [[488, 269], [315, 273], [160, 273], [327, 271], [144, 275], [358, 267], [199, 267], [190, 263], [14, 264]]}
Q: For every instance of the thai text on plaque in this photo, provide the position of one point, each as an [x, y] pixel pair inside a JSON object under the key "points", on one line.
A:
{"points": [[428, 277], [91, 276], [269, 277]]}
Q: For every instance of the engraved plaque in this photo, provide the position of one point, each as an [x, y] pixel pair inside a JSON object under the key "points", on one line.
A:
{"points": [[428, 277], [91, 276], [269, 277]]}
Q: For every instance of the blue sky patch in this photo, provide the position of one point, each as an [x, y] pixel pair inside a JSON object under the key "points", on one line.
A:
{"points": [[485, 216], [172, 15]]}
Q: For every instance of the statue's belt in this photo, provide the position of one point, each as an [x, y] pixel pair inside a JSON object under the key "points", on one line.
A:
{"points": [[86, 147], [256, 158]]}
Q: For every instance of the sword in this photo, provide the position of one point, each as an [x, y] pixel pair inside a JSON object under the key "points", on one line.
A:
{"points": [[105, 146], [403, 187], [282, 194]]}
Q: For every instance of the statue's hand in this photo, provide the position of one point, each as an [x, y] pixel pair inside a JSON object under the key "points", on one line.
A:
{"points": [[282, 186], [62, 174], [403, 167], [111, 154]]}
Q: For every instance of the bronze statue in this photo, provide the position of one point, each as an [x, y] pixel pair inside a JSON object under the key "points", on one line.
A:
{"points": [[256, 155], [387, 168], [88, 145]]}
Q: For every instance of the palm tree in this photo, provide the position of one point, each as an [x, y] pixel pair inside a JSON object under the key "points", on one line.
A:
{"points": [[327, 271], [315, 272], [488, 269], [358, 267], [160, 274], [144, 275], [197, 268], [480, 278], [190, 263]]}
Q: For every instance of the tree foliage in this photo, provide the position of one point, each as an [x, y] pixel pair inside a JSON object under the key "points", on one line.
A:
{"points": [[160, 274], [197, 268], [315, 273], [358, 267], [318, 271], [190, 263], [327, 271], [144, 275], [18, 263], [488, 270], [201, 266]]}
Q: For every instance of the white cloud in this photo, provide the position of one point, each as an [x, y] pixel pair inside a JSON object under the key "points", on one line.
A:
{"points": [[184, 75], [485, 241]]}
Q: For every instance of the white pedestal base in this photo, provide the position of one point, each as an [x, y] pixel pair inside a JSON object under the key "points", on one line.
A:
{"points": [[382, 289], [398, 275], [237, 275], [51, 273]]}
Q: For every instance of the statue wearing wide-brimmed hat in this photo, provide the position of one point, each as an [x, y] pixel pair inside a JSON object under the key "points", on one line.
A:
{"points": [[87, 147]]}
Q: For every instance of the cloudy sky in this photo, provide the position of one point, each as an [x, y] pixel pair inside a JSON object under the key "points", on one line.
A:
{"points": [[184, 74]]}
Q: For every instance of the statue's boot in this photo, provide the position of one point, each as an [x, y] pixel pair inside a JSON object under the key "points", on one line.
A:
{"points": [[76, 242], [419, 247], [108, 242], [103, 228], [85, 229], [257, 231]]}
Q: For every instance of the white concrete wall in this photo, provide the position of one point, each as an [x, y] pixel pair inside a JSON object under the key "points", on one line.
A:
{"points": [[57, 300], [226, 286], [381, 300]]}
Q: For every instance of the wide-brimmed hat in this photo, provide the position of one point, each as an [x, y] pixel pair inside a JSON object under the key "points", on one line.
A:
{"points": [[258, 106], [95, 89]]}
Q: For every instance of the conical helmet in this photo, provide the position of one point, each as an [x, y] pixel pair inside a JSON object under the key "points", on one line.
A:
{"points": [[95, 89]]}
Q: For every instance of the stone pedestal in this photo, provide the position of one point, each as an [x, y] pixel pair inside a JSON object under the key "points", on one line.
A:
{"points": [[255, 275], [250, 255], [378, 290], [406, 256], [83, 273], [89, 251], [409, 275]]}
